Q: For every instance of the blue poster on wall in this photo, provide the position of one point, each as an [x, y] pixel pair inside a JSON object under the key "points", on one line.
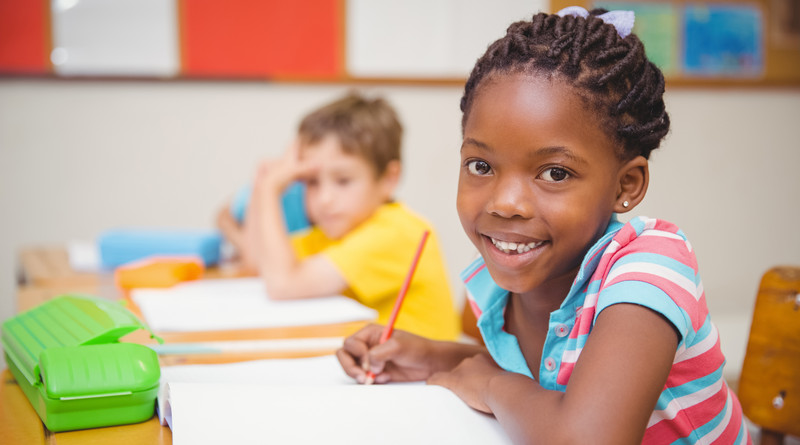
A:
{"points": [[723, 40]]}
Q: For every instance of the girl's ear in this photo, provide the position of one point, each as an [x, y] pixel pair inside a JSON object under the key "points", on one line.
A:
{"points": [[634, 177]]}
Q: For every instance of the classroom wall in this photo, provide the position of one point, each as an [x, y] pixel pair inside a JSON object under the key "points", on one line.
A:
{"points": [[79, 157]]}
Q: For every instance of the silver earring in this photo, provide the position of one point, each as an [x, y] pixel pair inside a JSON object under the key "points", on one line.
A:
{"points": [[625, 204]]}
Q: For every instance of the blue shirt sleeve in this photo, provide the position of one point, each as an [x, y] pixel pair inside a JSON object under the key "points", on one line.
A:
{"points": [[240, 201], [294, 211]]}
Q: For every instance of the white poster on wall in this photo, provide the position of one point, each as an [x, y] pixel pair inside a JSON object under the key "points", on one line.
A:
{"points": [[426, 38], [115, 38]]}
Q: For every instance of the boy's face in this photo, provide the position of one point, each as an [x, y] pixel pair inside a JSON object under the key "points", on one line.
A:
{"points": [[343, 190], [538, 182]]}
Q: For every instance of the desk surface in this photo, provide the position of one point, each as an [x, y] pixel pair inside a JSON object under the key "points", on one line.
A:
{"points": [[45, 273], [21, 425]]}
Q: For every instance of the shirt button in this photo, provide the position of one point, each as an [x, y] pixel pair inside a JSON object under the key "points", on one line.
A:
{"points": [[561, 330], [549, 364]]}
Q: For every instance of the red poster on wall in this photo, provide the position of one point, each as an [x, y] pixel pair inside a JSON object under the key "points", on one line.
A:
{"points": [[261, 38], [24, 37]]}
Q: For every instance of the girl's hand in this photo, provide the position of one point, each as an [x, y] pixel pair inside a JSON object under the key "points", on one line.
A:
{"points": [[470, 380], [405, 357]]}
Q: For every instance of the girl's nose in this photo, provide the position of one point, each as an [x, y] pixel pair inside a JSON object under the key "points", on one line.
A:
{"points": [[510, 199]]}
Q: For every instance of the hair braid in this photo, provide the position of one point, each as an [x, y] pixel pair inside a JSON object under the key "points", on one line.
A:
{"points": [[611, 73]]}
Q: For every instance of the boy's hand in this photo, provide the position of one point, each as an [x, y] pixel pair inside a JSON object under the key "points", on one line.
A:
{"points": [[402, 358], [470, 380], [274, 175]]}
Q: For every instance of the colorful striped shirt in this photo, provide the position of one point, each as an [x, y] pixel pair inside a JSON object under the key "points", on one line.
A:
{"points": [[647, 262]]}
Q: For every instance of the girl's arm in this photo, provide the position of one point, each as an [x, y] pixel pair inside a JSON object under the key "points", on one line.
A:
{"points": [[609, 398], [404, 357]]}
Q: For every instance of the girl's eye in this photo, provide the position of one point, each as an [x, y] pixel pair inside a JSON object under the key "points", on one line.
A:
{"points": [[555, 174], [479, 167]]}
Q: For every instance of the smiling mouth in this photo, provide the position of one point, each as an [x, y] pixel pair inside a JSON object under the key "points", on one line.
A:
{"points": [[515, 248]]}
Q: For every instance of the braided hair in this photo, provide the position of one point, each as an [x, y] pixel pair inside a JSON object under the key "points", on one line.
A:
{"points": [[610, 73]]}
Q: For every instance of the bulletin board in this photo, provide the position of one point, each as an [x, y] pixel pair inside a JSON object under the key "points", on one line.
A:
{"points": [[414, 41], [717, 42]]}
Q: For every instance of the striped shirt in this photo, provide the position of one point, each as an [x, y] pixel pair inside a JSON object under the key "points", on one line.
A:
{"points": [[648, 262]]}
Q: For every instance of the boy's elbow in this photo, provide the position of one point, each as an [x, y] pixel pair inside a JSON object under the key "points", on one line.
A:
{"points": [[248, 262], [279, 289]]}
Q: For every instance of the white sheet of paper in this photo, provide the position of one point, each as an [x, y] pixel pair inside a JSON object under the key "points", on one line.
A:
{"points": [[212, 413], [307, 344], [311, 400], [238, 303], [324, 370]]}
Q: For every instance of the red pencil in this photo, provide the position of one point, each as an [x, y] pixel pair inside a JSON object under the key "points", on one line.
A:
{"points": [[387, 330]]}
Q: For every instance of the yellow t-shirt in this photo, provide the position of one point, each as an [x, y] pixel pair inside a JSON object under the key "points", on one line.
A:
{"points": [[374, 259]]}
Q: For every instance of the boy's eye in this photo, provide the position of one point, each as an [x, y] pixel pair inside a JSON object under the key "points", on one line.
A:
{"points": [[554, 174], [343, 181], [478, 167]]}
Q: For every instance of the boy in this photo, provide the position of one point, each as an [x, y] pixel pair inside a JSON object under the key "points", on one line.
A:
{"points": [[362, 242], [230, 220]]}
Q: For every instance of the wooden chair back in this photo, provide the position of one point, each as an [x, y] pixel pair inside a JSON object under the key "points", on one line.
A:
{"points": [[769, 386]]}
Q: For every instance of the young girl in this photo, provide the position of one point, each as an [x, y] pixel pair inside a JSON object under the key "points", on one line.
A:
{"points": [[595, 331]]}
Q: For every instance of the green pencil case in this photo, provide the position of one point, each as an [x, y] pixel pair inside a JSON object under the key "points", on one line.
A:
{"points": [[66, 356]]}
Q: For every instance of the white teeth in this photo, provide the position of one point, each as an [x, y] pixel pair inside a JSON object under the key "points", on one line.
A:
{"points": [[508, 247]]}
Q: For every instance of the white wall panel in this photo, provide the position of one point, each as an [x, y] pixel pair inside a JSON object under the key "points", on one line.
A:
{"points": [[426, 38], [116, 38]]}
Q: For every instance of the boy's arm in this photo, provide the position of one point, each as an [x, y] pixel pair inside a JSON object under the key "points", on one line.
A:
{"points": [[249, 253], [609, 398], [285, 276], [230, 228]]}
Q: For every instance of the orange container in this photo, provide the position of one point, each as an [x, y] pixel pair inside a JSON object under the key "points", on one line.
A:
{"points": [[159, 271]]}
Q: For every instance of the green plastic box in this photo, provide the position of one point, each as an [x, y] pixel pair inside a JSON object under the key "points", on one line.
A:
{"points": [[66, 356]]}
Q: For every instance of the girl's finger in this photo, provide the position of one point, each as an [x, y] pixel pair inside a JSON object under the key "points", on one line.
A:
{"points": [[350, 365]]}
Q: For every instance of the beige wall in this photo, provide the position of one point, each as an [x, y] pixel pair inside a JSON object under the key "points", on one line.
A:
{"points": [[79, 157]]}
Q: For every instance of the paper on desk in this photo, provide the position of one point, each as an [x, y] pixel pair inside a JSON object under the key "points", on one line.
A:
{"points": [[308, 402], [324, 370], [238, 303]]}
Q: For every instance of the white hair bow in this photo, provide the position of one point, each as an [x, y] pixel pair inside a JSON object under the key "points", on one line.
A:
{"points": [[622, 21]]}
